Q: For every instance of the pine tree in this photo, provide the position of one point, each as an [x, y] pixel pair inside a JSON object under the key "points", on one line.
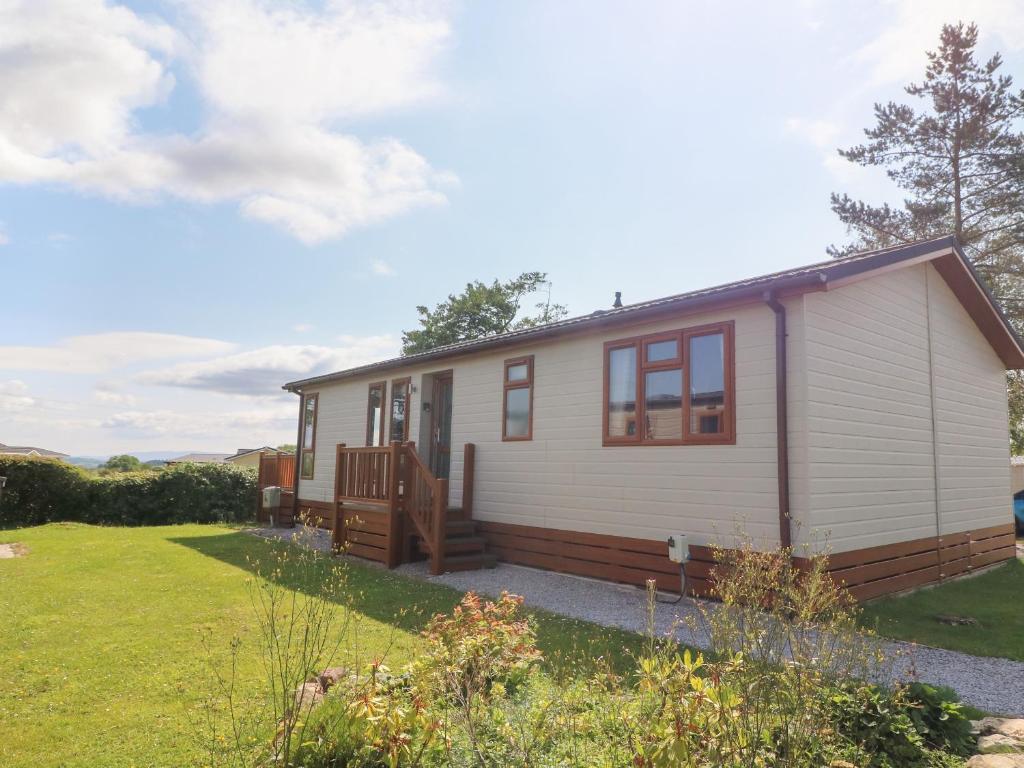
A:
{"points": [[960, 160]]}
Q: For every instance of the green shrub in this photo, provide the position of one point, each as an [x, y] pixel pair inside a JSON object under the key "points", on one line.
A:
{"points": [[42, 490], [876, 722], [939, 717]]}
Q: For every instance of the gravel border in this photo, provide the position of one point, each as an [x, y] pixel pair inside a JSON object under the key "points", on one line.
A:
{"points": [[993, 684]]}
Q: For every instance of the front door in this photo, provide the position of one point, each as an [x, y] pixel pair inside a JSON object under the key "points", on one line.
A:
{"points": [[441, 426]]}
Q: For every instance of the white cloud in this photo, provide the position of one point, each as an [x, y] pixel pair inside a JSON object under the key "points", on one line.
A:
{"points": [[897, 53], [4, 238], [109, 392], [101, 352], [14, 396], [820, 133], [275, 81], [225, 426], [302, 327], [260, 60], [262, 372], [382, 268]]}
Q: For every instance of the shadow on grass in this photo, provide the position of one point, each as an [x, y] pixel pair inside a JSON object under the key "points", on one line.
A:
{"points": [[571, 647]]}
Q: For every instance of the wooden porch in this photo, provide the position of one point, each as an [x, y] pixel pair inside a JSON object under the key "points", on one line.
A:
{"points": [[389, 507]]}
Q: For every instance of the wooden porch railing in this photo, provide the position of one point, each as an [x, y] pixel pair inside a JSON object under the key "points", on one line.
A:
{"points": [[425, 502], [395, 479], [363, 474]]}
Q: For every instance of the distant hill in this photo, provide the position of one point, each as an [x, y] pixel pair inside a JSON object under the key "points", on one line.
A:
{"points": [[153, 458], [88, 462]]}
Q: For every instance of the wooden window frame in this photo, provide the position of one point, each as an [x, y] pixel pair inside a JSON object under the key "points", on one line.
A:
{"points": [[527, 383], [384, 403], [407, 380], [683, 336], [728, 434], [304, 449]]}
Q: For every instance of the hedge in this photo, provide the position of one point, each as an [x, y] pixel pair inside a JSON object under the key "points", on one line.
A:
{"points": [[43, 490]]}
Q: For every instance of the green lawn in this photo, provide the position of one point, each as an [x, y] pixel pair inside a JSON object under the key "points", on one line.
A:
{"points": [[101, 660], [995, 599]]}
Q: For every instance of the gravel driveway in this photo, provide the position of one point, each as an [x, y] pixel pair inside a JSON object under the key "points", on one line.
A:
{"points": [[995, 685]]}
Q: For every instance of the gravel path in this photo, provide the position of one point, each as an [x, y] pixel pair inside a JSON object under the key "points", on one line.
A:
{"points": [[995, 685]]}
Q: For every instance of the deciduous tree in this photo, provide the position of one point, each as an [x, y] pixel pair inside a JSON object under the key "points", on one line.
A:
{"points": [[481, 310]]}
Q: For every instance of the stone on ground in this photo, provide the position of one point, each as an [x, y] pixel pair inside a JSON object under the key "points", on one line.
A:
{"points": [[996, 761]]}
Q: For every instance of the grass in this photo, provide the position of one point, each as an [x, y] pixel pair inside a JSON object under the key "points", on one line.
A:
{"points": [[995, 599], [101, 659]]}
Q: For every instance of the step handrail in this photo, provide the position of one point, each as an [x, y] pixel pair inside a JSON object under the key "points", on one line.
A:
{"points": [[424, 499]]}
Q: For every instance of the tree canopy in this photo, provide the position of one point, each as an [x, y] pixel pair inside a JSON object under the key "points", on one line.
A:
{"points": [[123, 463], [959, 159], [481, 310]]}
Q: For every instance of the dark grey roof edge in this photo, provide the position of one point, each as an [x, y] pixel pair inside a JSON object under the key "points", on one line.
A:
{"points": [[822, 271], [993, 302]]}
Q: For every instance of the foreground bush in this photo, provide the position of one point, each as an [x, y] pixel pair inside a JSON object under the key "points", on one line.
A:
{"points": [[42, 491], [777, 689]]}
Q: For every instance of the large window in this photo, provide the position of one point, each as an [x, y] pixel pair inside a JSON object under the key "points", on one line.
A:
{"points": [[308, 448], [375, 414], [400, 413], [517, 404], [670, 388]]}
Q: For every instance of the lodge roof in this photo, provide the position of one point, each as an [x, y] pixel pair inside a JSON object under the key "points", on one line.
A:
{"points": [[945, 252]]}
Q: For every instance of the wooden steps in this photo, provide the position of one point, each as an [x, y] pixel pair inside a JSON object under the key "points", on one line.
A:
{"points": [[464, 548]]}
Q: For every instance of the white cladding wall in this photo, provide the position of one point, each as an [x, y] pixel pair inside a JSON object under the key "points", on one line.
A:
{"points": [[871, 458], [564, 478], [971, 418], [862, 457]]}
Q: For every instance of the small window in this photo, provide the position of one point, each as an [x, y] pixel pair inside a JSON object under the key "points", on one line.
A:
{"points": [[621, 410], [707, 390], [670, 388], [517, 405], [400, 413], [308, 447], [375, 414]]}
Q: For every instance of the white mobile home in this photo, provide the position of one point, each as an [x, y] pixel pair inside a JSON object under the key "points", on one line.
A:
{"points": [[857, 404]]}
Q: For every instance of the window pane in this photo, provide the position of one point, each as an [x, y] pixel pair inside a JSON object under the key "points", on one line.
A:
{"points": [[622, 392], [308, 421], [399, 394], [374, 414], [662, 350], [707, 384], [663, 405], [307, 464], [517, 412], [520, 372]]}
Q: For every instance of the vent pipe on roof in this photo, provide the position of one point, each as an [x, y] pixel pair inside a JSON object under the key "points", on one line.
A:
{"points": [[618, 300]]}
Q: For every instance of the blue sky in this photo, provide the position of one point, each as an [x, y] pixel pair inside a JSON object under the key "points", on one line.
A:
{"points": [[200, 201]]}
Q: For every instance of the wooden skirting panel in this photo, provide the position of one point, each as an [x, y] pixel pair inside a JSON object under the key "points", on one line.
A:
{"points": [[365, 533], [600, 556], [868, 573], [365, 530], [883, 570], [318, 513]]}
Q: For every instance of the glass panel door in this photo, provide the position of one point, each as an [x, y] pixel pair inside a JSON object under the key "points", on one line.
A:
{"points": [[441, 438]]}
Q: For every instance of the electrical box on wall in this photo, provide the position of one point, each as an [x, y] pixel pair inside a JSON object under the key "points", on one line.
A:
{"points": [[678, 548]]}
